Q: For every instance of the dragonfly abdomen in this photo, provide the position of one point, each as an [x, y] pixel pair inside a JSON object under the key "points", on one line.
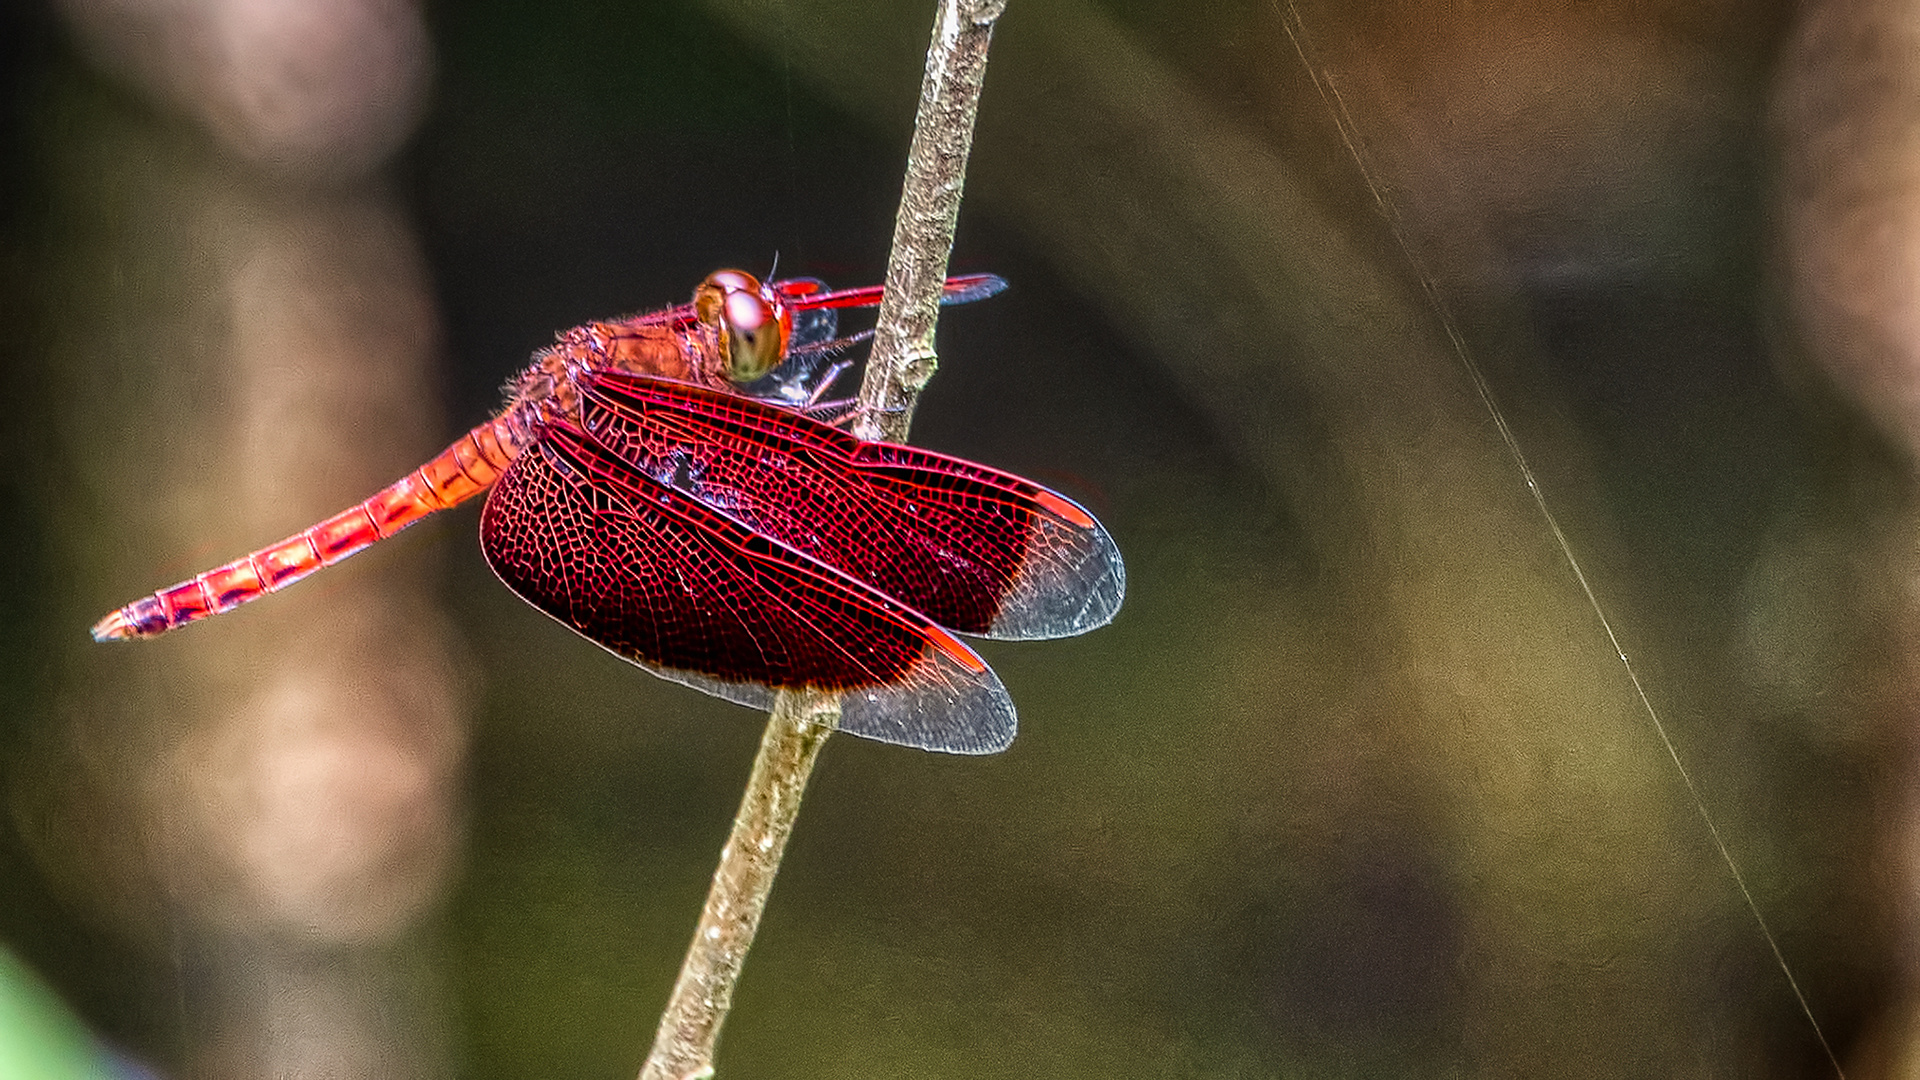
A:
{"points": [[456, 474]]}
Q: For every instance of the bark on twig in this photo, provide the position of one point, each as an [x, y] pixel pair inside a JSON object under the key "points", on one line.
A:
{"points": [[903, 358], [901, 363], [690, 1028]]}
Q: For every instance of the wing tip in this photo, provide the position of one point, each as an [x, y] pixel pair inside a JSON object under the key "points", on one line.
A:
{"points": [[1066, 598], [1066, 509], [966, 288], [975, 717]]}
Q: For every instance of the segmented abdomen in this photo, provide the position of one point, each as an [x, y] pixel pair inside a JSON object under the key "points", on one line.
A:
{"points": [[456, 474]]}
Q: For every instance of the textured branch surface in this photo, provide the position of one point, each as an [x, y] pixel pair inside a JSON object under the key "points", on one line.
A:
{"points": [[690, 1028], [903, 358], [901, 363]]}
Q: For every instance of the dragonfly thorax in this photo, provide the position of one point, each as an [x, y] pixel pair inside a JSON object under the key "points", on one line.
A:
{"points": [[549, 385]]}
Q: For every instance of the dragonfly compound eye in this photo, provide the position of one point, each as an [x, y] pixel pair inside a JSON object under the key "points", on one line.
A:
{"points": [[753, 324]]}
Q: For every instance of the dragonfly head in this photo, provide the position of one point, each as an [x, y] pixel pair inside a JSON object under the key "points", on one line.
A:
{"points": [[751, 322]]}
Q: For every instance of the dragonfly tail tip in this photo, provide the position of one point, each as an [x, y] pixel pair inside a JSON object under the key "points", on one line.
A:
{"points": [[114, 627]]}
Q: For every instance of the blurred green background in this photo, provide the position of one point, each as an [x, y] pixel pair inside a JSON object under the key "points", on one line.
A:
{"points": [[1356, 784]]}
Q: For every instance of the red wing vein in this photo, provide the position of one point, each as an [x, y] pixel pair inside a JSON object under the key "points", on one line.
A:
{"points": [[700, 417], [726, 553], [731, 543], [973, 548]]}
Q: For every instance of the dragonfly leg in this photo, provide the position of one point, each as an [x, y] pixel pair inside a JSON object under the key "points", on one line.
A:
{"points": [[838, 412], [827, 380]]}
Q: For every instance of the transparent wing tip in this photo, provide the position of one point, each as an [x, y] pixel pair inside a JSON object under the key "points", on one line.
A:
{"points": [[1069, 589], [967, 288], [941, 706], [971, 717]]}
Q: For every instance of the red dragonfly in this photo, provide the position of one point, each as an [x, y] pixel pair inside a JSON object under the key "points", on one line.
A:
{"points": [[669, 486]]}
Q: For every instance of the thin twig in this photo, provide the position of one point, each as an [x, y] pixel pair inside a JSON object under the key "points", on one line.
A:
{"points": [[901, 363], [690, 1027], [903, 358]]}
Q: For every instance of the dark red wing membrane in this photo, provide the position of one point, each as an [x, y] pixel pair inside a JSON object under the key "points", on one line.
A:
{"points": [[696, 596], [974, 549]]}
